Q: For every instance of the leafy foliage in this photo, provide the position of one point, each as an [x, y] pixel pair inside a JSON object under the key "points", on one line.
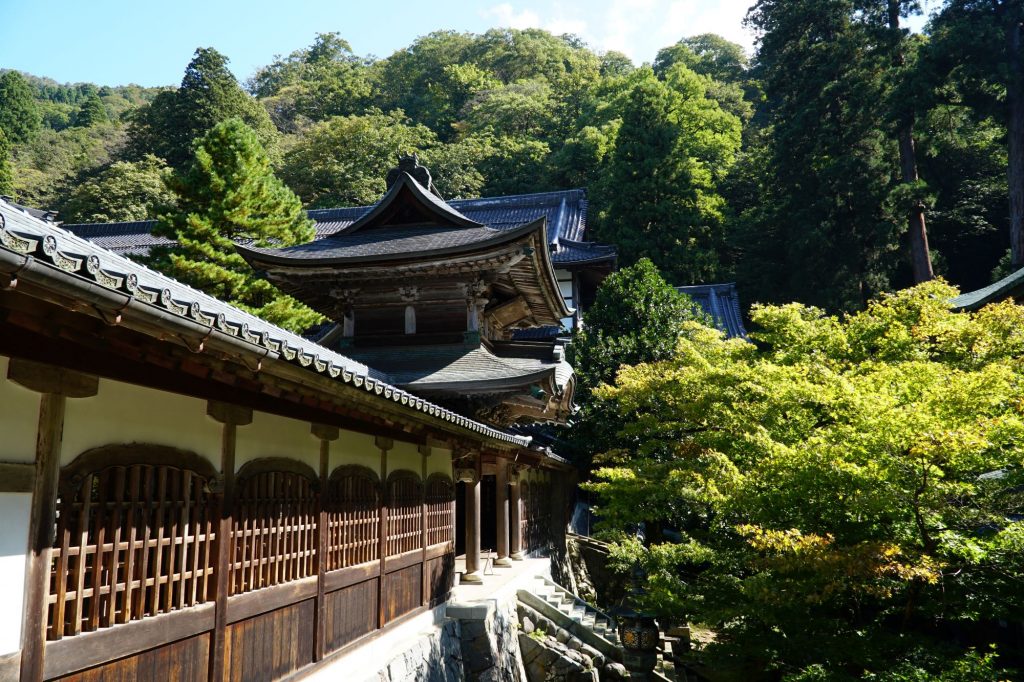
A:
{"points": [[124, 191], [841, 495], [229, 194]]}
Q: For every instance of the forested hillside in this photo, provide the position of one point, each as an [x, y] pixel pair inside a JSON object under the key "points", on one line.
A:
{"points": [[810, 171]]}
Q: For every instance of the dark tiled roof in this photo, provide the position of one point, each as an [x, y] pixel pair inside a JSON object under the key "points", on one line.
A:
{"points": [[26, 236], [722, 303], [1010, 286], [565, 211], [451, 366], [537, 333], [378, 244]]}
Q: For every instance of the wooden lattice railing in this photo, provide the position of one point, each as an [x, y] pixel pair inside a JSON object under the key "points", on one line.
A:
{"points": [[440, 494], [353, 517], [405, 513]]}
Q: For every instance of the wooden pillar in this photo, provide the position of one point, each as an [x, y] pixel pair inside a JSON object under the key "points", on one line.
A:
{"points": [[501, 502], [326, 434], [55, 385], [425, 582], [515, 515], [384, 444], [231, 417], [471, 477]]}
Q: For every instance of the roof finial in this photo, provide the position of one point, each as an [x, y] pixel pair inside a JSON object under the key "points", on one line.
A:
{"points": [[410, 163]]}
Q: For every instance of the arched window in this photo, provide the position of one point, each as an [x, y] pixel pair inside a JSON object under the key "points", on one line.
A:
{"points": [[405, 513], [353, 512], [135, 531], [440, 495], [274, 537]]}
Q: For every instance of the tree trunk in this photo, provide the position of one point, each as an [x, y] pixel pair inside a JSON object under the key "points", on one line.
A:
{"points": [[1015, 141], [920, 257]]}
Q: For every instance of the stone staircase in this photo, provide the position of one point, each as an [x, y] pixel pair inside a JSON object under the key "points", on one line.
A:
{"points": [[562, 607]]}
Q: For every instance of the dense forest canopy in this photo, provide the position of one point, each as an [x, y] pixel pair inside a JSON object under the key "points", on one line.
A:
{"points": [[844, 158]]}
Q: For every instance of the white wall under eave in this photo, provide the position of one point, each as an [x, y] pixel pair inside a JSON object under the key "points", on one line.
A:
{"points": [[19, 417], [125, 413], [15, 509], [355, 448], [272, 436], [405, 456], [439, 462]]}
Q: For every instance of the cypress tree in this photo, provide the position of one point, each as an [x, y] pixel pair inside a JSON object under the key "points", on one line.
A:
{"points": [[229, 194], [91, 112]]}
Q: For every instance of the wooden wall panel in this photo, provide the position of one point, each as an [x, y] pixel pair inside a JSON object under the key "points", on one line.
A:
{"points": [[440, 577], [351, 613], [403, 592], [181, 661], [270, 646]]}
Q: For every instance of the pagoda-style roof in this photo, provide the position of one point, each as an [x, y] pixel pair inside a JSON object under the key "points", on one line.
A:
{"points": [[524, 381], [412, 238], [565, 212]]}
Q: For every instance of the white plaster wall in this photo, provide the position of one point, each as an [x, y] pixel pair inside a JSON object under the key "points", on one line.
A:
{"points": [[271, 436], [14, 512], [440, 461], [355, 448], [19, 416], [125, 413], [405, 456]]}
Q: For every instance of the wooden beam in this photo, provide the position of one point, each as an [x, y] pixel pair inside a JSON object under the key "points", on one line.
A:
{"points": [[231, 416], [501, 502], [16, 477], [326, 434], [40, 534]]}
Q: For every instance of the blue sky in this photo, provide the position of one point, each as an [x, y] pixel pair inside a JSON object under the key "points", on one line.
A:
{"points": [[149, 42]]}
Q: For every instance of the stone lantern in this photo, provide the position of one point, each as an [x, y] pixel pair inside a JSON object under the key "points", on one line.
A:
{"points": [[638, 632]]}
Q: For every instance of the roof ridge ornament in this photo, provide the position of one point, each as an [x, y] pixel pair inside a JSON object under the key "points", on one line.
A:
{"points": [[410, 163]]}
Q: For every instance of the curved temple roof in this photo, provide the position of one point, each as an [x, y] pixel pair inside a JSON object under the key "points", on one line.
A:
{"points": [[25, 239]]}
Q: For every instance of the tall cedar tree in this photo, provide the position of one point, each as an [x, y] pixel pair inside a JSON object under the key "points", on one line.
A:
{"points": [[19, 113], [672, 150], [229, 194], [91, 112], [979, 45], [209, 94], [818, 232], [636, 317]]}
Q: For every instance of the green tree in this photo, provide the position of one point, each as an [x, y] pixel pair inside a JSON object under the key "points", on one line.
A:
{"points": [[91, 112], [230, 194], [323, 80], [841, 495], [123, 191], [636, 317], [979, 46], [6, 174], [176, 119], [661, 198], [817, 229], [19, 113], [344, 161]]}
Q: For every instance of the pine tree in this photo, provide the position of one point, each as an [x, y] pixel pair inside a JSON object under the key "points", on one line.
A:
{"points": [[19, 113], [229, 194]]}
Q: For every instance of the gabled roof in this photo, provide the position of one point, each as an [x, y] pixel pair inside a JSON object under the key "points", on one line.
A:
{"points": [[1011, 286], [436, 210], [565, 211], [722, 303], [30, 247]]}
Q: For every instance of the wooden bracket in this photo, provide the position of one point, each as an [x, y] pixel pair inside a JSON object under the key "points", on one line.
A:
{"points": [[325, 432], [43, 378], [226, 413]]}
